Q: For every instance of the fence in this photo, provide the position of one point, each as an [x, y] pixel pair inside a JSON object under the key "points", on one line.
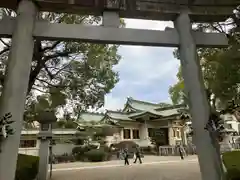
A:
{"points": [[191, 149], [174, 151]]}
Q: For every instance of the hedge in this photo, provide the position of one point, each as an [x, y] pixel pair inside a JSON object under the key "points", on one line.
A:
{"points": [[27, 167], [231, 161], [79, 152], [96, 155]]}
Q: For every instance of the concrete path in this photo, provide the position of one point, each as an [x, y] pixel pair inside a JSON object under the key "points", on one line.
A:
{"points": [[153, 168]]}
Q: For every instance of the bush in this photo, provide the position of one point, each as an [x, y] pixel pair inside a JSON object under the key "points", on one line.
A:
{"points": [[63, 158], [27, 167], [232, 162], [125, 144], [96, 155], [79, 152], [148, 150], [130, 145]]}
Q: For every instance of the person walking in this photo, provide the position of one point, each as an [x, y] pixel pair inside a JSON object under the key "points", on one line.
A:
{"points": [[138, 155], [180, 150], [126, 156]]}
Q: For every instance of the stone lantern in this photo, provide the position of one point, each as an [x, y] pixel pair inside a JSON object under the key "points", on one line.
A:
{"points": [[46, 119]]}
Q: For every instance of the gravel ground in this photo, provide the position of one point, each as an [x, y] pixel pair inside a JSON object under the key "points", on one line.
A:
{"points": [[167, 170]]}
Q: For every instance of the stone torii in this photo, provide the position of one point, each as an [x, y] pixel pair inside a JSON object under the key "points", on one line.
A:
{"points": [[26, 27]]}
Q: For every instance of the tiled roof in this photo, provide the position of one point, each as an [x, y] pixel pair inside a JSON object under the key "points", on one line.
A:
{"points": [[91, 117], [141, 105], [118, 115], [169, 112], [141, 108]]}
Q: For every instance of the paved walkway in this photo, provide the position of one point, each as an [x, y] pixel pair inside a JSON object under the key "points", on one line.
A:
{"points": [[153, 168]]}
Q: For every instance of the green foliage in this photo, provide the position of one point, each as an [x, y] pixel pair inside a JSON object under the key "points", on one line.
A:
{"points": [[79, 152], [96, 155], [125, 144], [66, 124], [232, 164], [69, 73], [27, 167], [64, 158], [220, 67], [148, 150]]}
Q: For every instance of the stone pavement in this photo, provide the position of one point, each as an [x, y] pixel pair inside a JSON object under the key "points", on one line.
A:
{"points": [[153, 168]]}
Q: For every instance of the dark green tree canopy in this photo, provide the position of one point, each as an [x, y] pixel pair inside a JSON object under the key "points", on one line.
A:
{"points": [[72, 75], [220, 66]]}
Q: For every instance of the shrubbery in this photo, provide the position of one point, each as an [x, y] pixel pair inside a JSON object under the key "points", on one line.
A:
{"points": [[125, 144], [130, 145], [148, 150], [79, 152], [27, 167], [63, 158], [96, 155], [232, 162]]}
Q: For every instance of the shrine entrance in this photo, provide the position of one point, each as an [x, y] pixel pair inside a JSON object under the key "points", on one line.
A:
{"points": [[26, 27]]}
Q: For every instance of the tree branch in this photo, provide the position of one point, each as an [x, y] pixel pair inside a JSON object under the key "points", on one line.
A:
{"points": [[57, 54], [51, 47], [4, 50], [48, 83], [42, 91], [6, 44], [61, 69], [51, 76], [217, 29]]}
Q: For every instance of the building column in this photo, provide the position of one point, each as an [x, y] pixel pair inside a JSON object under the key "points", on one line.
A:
{"points": [[121, 134], [183, 136], [16, 84], [144, 131], [171, 138], [207, 156]]}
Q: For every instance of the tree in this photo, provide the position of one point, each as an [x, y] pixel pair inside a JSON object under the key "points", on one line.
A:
{"points": [[75, 73], [220, 67]]}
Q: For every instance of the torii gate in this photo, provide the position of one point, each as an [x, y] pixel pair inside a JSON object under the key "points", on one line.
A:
{"points": [[25, 28]]}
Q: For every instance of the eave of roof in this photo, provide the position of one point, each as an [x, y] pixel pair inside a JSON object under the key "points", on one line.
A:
{"points": [[143, 113]]}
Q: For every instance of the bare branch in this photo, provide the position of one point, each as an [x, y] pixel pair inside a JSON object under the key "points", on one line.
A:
{"points": [[57, 54], [6, 44], [48, 83], [42, 91], [217, 29], [4, 50], [51, 76], [51, 47], [61, 69]]}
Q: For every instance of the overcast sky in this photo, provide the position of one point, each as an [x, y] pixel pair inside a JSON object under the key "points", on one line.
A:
{"points": [[145, 72]]}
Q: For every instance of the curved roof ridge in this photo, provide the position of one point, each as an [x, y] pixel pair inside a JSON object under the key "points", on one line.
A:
{"points": [[171, 107], [112, 111], [144, 102], [95, 113]]}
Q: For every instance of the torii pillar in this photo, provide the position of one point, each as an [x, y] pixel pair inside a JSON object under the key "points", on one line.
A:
{"points": [[209, 162], [16, 84]]}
